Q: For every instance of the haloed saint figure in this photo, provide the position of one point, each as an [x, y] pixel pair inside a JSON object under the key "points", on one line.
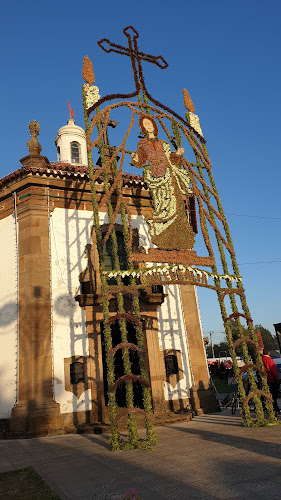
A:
{"points": [[169, 185]]}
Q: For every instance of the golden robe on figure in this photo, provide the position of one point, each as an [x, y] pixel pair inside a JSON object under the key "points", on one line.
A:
{"points": [[169, 185]]}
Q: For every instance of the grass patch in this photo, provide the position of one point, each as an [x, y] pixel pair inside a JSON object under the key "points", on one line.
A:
{"points": [[25, 484], [221, 384]]}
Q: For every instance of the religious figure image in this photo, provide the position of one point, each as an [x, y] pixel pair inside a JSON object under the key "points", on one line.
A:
{"points": [[169, 185]]}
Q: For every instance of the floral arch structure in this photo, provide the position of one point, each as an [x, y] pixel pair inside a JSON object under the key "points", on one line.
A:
{"points": [[177, 169]]}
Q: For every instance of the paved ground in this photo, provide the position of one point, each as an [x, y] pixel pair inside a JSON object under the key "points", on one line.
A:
{"points": [[211, 457]]}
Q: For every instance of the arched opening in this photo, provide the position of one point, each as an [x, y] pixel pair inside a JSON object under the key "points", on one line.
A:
{"points": [[75, 152], [119, 366], [121, 252]]}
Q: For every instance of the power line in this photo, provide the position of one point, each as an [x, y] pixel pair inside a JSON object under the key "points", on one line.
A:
{"points": [[256, 216], [260, 262]]}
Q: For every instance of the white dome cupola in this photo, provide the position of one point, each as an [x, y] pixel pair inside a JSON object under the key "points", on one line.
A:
{"points": [[71, 144]]}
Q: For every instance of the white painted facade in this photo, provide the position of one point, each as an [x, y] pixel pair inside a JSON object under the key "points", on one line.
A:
{"points": [[172, 335], [66, 135], [8, 316], [70, 233]]}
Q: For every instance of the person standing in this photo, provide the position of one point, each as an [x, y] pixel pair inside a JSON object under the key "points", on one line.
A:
{"points": [[272, 376]]}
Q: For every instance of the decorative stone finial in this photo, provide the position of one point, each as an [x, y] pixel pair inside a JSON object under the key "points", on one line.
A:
{"points": [[34, 159], [33, 144]]}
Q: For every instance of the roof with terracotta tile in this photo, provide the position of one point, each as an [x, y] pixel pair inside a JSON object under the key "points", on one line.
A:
{"points": [[63, 170]]}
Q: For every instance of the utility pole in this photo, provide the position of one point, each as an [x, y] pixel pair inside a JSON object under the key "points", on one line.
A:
{"points": [[211, 340]]}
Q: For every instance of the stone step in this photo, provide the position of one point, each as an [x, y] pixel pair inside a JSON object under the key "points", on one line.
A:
{"points": [[164, 418]]}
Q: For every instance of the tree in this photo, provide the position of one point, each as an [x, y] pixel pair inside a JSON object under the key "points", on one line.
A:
{"points": [[269, 341], [221, 348]]}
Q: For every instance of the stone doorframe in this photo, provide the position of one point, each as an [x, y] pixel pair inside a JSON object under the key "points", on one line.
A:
{"points": [[94, 318], [91, 302]]}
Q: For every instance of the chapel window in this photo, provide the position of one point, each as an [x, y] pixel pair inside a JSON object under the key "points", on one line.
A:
{"points": [[77, 373], [171, 365], [109, 257], [86, 287], [75, 152], [121, 252], [157, 289]]}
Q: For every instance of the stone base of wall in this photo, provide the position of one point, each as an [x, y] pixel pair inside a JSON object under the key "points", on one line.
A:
{"points": [[203, 401], [4, 428], [29, 420], [46, 419], [178, 405]]}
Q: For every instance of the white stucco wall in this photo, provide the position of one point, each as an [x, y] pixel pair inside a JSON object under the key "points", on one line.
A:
{"points": [[172, 332], [70, 233], [172, 335], [8, 316]]}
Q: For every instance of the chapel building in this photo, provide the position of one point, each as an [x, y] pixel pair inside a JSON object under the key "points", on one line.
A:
{"points": [[52, 355]]}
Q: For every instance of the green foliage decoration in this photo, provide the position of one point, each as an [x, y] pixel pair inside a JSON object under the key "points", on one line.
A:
{"points": [[260, 416], [133, 440], [232, 323], [176, 132]]}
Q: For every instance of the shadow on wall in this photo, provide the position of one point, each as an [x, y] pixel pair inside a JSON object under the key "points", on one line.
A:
{"points": [[64, 305], [175, 350], [8, 313], [34, 419], [75, 249], [8, 356], [76, 379], [203, 399], [5, 405], [70, 234]]}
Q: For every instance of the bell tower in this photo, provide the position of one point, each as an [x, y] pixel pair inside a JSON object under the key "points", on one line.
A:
{"points": [[71, 143]]}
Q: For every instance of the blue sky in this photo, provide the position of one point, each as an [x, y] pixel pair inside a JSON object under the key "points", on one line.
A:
{"points": [[227, 54]]}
